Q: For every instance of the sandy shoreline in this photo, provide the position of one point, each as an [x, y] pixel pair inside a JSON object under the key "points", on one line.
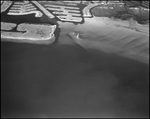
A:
{"points": [[102, 34], [24, 40]]}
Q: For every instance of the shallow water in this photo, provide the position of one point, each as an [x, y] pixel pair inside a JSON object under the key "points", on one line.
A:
{"points": [[65, 80]]}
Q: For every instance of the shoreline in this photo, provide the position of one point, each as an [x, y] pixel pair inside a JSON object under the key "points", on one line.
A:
{"points": [[25, 40]]}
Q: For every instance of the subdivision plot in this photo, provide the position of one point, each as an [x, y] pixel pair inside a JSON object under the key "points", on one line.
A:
{"points": [[5, 5]]}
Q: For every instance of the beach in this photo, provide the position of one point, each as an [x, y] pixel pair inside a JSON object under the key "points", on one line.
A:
{"points": [[110, 36]]}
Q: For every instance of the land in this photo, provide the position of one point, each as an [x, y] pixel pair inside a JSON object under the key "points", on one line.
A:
{"points": [[32, 33], [125, 37]]}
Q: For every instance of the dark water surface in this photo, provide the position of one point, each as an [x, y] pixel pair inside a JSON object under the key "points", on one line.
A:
{"points": [[67, 81]]}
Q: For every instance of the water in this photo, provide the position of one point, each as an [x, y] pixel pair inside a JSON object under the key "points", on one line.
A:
{"points": [[65, 80], [71, 78]]}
